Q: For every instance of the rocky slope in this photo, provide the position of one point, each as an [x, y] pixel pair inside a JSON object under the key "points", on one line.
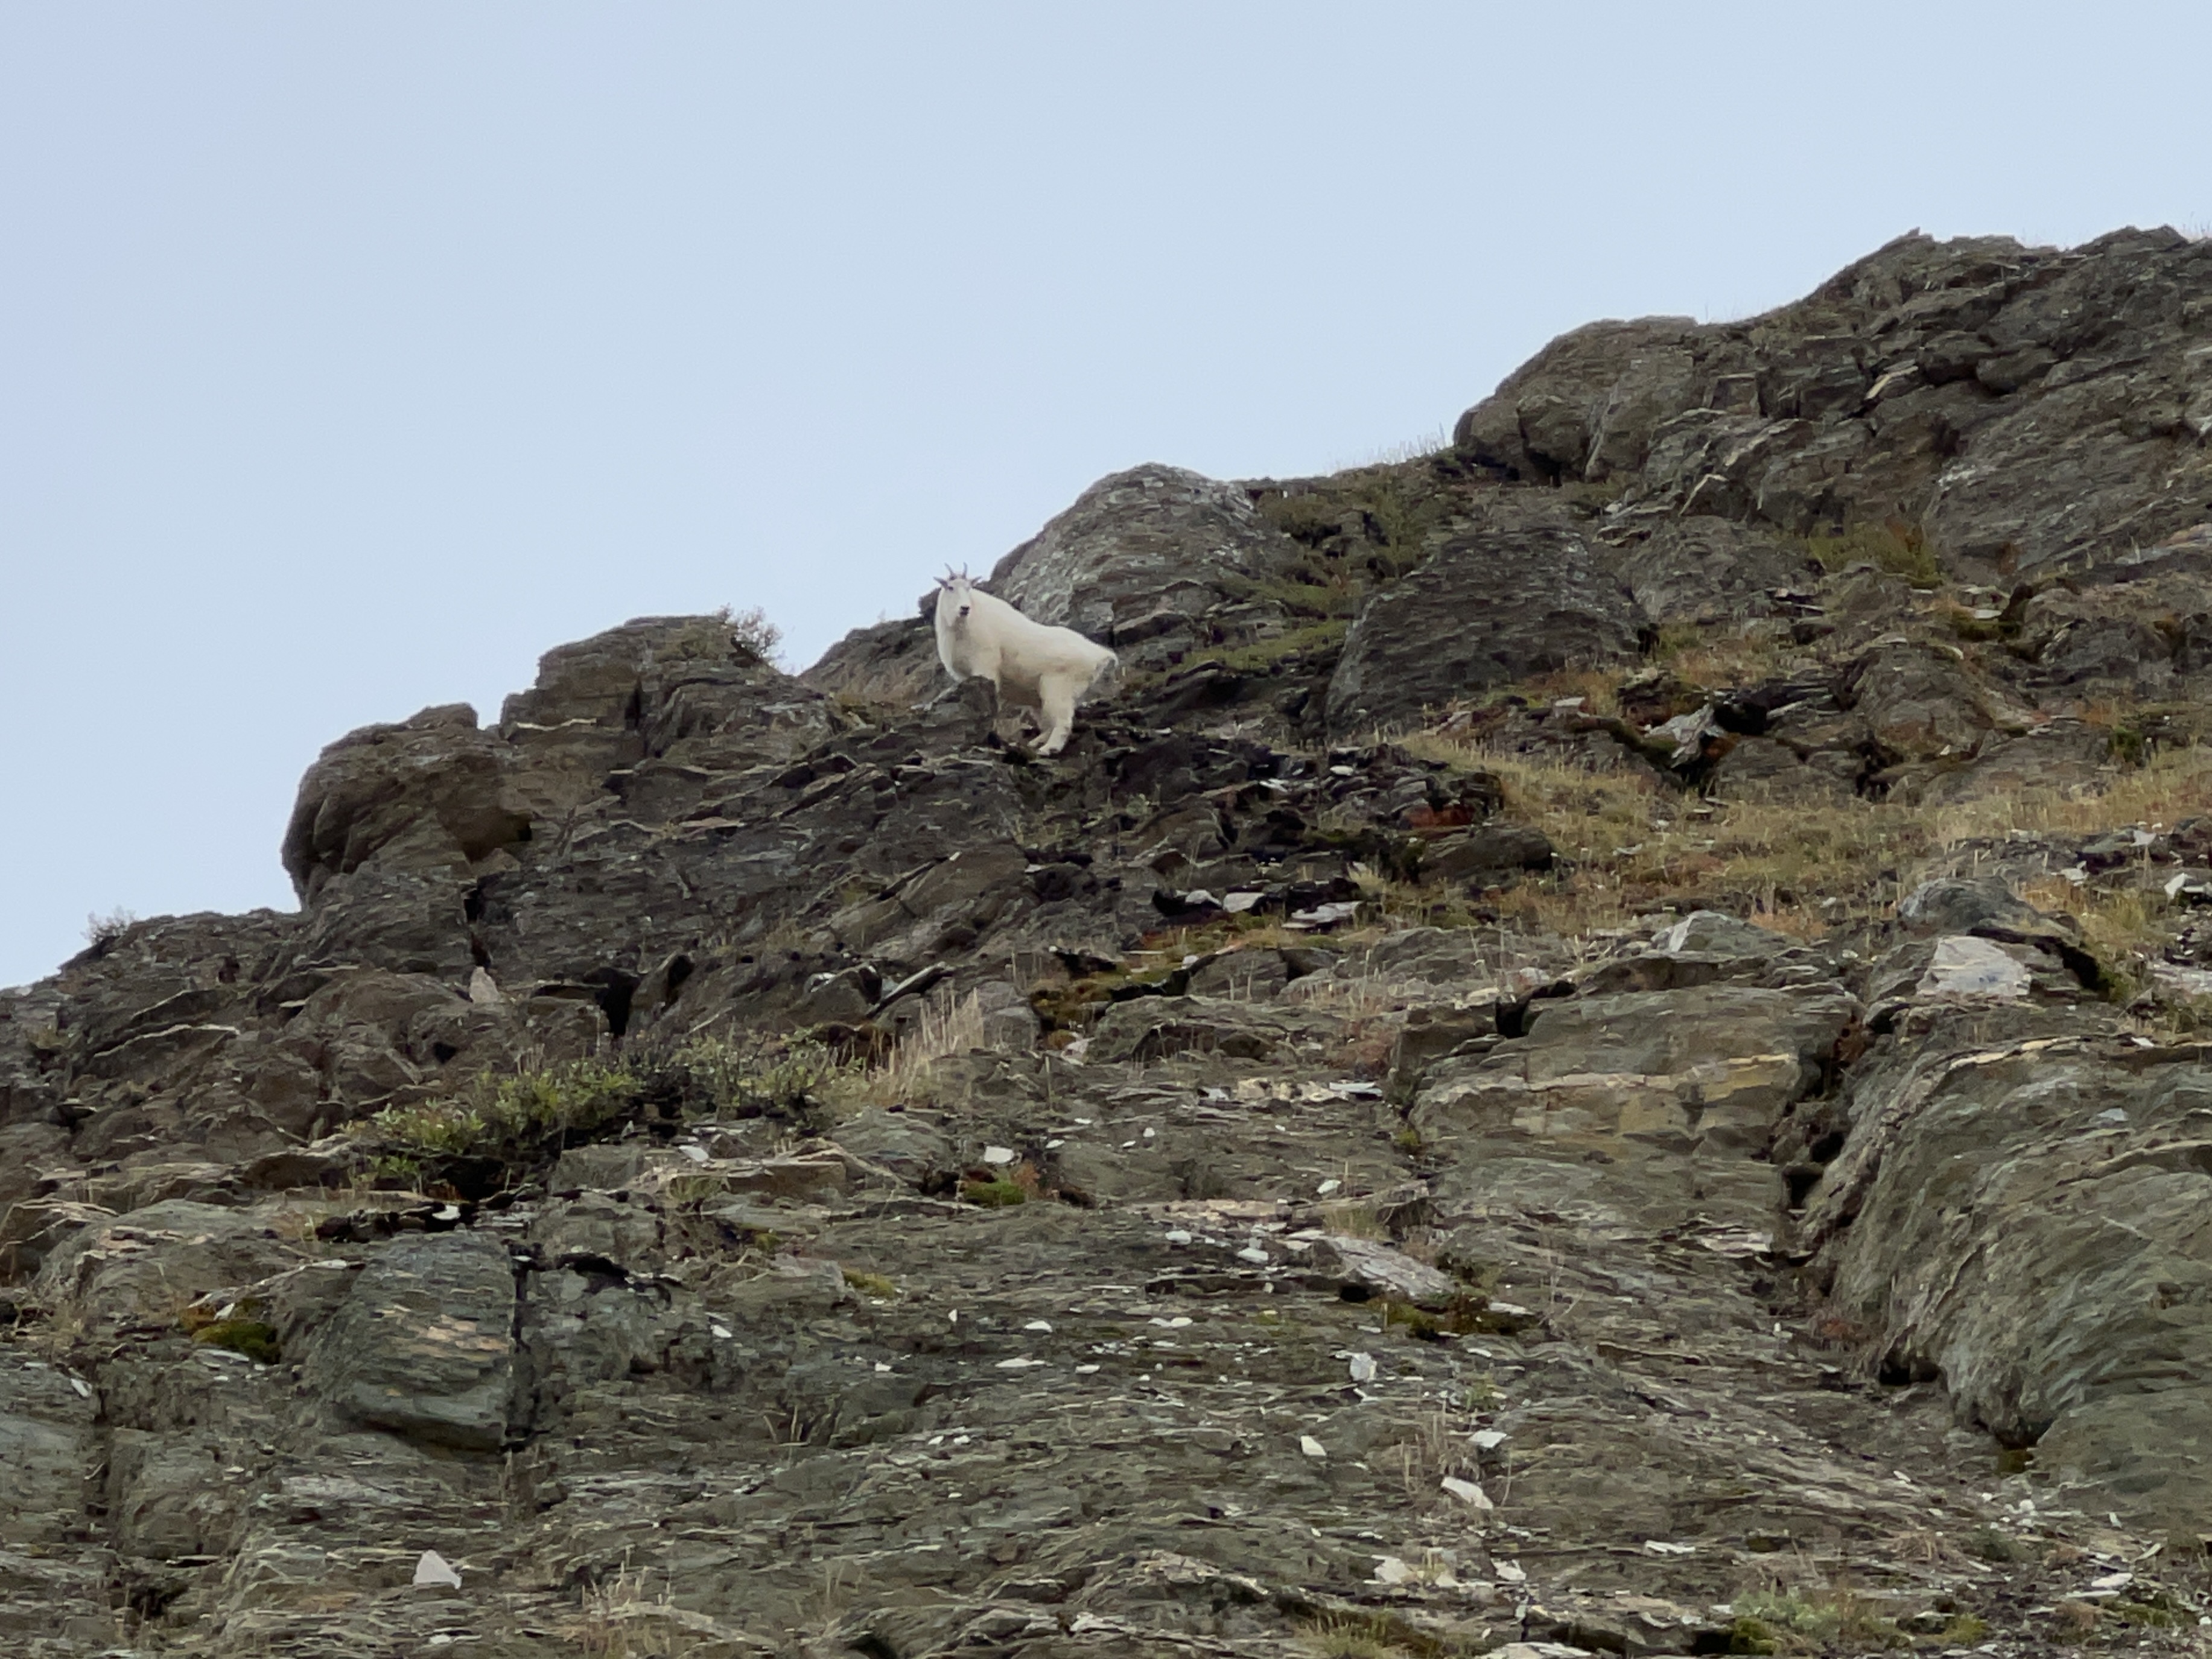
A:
{"points": [[1599, 1051]]}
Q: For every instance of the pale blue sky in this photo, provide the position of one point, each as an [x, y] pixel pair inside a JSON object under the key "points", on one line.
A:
{"points": [[352, 357]]}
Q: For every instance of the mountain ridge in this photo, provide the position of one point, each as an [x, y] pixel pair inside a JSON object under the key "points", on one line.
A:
{"points": [[1601, 1047]]}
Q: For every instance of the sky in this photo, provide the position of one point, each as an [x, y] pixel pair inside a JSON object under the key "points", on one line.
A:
{"points": [[353, 357]]}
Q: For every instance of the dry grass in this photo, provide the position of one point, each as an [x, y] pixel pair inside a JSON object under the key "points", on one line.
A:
{"points": [[944, 1027], [1635, 845], [2172, 784], [619, 1620], [2116, 922], [1598, 688], [1704, 657]]}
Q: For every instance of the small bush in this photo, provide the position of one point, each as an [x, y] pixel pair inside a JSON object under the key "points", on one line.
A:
{"points": [[1791, 1620], [502, 1114], [2074, 1619], [1897, 545], [994, 1195], [751, 631], [1988, 1544], [100, 933], [526, 1114], [249, 1337], [868, 1283], [740, 1080]]}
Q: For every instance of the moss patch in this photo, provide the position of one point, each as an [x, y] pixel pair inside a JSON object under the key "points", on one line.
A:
{"points": [[994, 1195], [249, 1337]]}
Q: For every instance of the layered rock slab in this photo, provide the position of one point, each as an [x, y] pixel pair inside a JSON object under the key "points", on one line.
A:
{"points": [[2027, 1221]]}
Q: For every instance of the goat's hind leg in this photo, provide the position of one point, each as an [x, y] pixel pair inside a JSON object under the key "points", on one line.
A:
{"points": [[1056, 699]]}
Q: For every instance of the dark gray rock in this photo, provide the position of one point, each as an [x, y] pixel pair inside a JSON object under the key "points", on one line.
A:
{"points": [[1014, 1336], [2039, 407], [1524, 595], [423, 1344], [1987, 1190], [1485, 854], [1709, 570], [1141, 556], [892, 662]]}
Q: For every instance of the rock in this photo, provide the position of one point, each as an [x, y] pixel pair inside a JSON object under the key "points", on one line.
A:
{"points": [[1710, 933], [1524, 595], [893, 662], [1140, 557], [1709, 571], [1679, 1090], [1483, 854], [1588, 404], [430, 794], [1490, 1190], [1153, 1027], [137, 1270], [1967, 967], [1373, 1269], [52, 1578], [1976, 1226], [1245, 975], [1867, 389], [423, 1344], [1952, 904]]}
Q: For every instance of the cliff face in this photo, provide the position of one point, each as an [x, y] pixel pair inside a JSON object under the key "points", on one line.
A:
{"points": [[1600, 1047]]}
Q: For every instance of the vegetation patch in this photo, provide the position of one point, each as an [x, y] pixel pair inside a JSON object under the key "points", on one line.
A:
{"points": [[1799, 1621], [1897, 545], [1263, 654], [493, 1115], [1630, 845], [506, 1124], [249, 1337]]}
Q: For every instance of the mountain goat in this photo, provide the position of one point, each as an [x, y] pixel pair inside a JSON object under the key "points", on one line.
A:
{"points": [[981, 636]]}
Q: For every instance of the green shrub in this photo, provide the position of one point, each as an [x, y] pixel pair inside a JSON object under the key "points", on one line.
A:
{"points": [[1897, 545], [494, 1113], [741, 1080], [249, 1337]]}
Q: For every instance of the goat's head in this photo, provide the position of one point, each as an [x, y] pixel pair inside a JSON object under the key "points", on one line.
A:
{"points": [[961, 590]]}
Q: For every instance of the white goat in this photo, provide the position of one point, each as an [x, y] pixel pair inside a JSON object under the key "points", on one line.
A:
{"points": [[979, 637]]}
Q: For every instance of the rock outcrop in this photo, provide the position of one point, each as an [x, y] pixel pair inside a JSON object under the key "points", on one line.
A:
{"points": [[1599, 1052]]}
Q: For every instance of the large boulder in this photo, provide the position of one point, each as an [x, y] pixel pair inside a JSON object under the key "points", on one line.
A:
{"points": [[1141, 556], [2024, 1220], [2033, 408], [425, 1344], [1525, 594], [1673, 1094], [432, 794], [893, 662]]}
